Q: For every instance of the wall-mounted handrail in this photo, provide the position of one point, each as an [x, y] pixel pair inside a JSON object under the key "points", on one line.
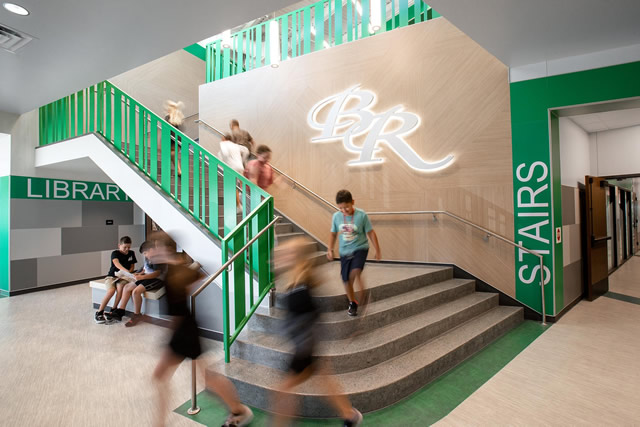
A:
{"points": [[227, 340], [199, 121], [447, 213], [295, 183]]}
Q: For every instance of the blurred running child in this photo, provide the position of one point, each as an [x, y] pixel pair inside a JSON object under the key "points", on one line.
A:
{"points": [[185, 342], [294, 257]]}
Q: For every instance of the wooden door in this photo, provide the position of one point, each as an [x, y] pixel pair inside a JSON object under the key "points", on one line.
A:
{"points": [[596, 238]]}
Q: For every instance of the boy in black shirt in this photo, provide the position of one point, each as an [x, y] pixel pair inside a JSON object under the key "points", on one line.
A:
{"points": [[124, 259]]}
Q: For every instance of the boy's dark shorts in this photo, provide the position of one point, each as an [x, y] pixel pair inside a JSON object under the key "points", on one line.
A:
{"points": [[354, 261], [150, 284]]}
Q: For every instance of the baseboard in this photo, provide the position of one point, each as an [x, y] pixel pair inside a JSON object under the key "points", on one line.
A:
{"points": [[49, 287], [166, 323]]}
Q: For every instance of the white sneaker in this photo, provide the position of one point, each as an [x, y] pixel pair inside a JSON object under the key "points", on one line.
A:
{"points": [[239, 420], [355, 420]]}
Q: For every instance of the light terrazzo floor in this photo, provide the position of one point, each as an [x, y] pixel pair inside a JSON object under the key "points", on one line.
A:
{"points": [[60, 368]]}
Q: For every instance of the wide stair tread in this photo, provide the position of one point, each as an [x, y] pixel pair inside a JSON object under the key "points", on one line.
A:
{"points": [[381, 305], [385, 383], [370, 348]]}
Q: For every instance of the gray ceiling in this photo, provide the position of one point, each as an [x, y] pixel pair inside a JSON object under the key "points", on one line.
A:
{"points": [[79, 43], [521, 32], [608, 120]]}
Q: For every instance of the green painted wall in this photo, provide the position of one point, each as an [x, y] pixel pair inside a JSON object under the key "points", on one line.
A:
{"points": [[5, 196], [532, 127], [24, 187], [197, 51]]}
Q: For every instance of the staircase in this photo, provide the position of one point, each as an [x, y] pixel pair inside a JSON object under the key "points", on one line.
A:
{"points": [[421, 322]]}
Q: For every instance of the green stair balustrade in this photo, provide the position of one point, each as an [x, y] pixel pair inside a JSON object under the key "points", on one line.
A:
{"points": [[309, 29], [206, 187]]}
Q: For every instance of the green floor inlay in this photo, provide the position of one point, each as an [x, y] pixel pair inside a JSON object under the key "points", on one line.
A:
{"points": [[424, 407], [623, 297]]}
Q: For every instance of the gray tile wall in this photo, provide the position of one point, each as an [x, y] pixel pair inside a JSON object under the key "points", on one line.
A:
{"points": [[95, 214], [24, 274], [89, 239], [59, 241], [28, 213]]}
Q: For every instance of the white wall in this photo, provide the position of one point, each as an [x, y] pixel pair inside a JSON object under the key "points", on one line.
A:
{"points": [[7, 121], [618, 151], [575, 156], [5, 154], [25, 140]]}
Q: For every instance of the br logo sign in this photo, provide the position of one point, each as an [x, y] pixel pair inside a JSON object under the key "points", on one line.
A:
{"points": [[349, 116]]}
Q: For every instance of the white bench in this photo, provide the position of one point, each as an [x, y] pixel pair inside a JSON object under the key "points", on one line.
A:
{"points": [[151, 305], [155, 294]]}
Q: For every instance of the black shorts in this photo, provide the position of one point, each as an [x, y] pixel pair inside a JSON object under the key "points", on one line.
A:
{"points": [[301, 359], [185, 341], [354, 261], [150, 284]]}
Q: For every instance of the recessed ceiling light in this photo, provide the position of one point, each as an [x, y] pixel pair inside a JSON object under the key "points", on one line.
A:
{"points": [[14, 8]]}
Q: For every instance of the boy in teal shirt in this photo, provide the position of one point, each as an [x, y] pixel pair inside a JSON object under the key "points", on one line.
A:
{"points": [[353, 227]]}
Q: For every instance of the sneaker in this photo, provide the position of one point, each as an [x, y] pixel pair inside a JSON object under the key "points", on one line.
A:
{"points": [[135, 319], [355, 420], [114, 315], [239, 420], [100, 317], [353, 309]]}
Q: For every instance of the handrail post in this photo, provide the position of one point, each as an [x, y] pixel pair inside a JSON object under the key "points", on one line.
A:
{"points": [[544, 313], [194, 399]]}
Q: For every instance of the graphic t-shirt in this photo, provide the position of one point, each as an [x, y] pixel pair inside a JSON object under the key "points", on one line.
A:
{"points": [[352, 231], [149, 268], [126, 260]]}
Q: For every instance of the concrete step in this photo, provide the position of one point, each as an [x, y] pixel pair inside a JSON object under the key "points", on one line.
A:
{"points": [[283, 237], [380, 385], [336, 325], [371, 348], [284, 227], [382, 281]]}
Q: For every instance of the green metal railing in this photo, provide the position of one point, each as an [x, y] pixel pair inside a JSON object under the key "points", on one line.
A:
{"points": [[312, 28], [206, 188]]}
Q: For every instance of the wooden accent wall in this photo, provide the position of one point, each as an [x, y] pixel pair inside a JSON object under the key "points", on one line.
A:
{"points": [[461, 93], [174, 77]]}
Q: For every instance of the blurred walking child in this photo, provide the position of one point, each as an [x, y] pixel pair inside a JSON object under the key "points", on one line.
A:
{"points": [[123, 259], [295, 258], [185, 341], [352, 225]]}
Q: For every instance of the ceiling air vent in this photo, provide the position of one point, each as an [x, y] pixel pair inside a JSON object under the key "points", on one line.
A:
{"points": [[12, 40]]}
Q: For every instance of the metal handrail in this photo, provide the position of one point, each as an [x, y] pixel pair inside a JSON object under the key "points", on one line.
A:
{"points": [[209, 126], [194, 404], [295, 183], [449, 214]]}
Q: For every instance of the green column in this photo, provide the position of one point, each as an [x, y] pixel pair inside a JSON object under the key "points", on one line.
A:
{"points": [[5, 233]]}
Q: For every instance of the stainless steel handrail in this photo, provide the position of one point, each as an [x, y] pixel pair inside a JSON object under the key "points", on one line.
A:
{"points": [[484, 230], [295, 183], [209, 126], [194, 403], [449, 214]]}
